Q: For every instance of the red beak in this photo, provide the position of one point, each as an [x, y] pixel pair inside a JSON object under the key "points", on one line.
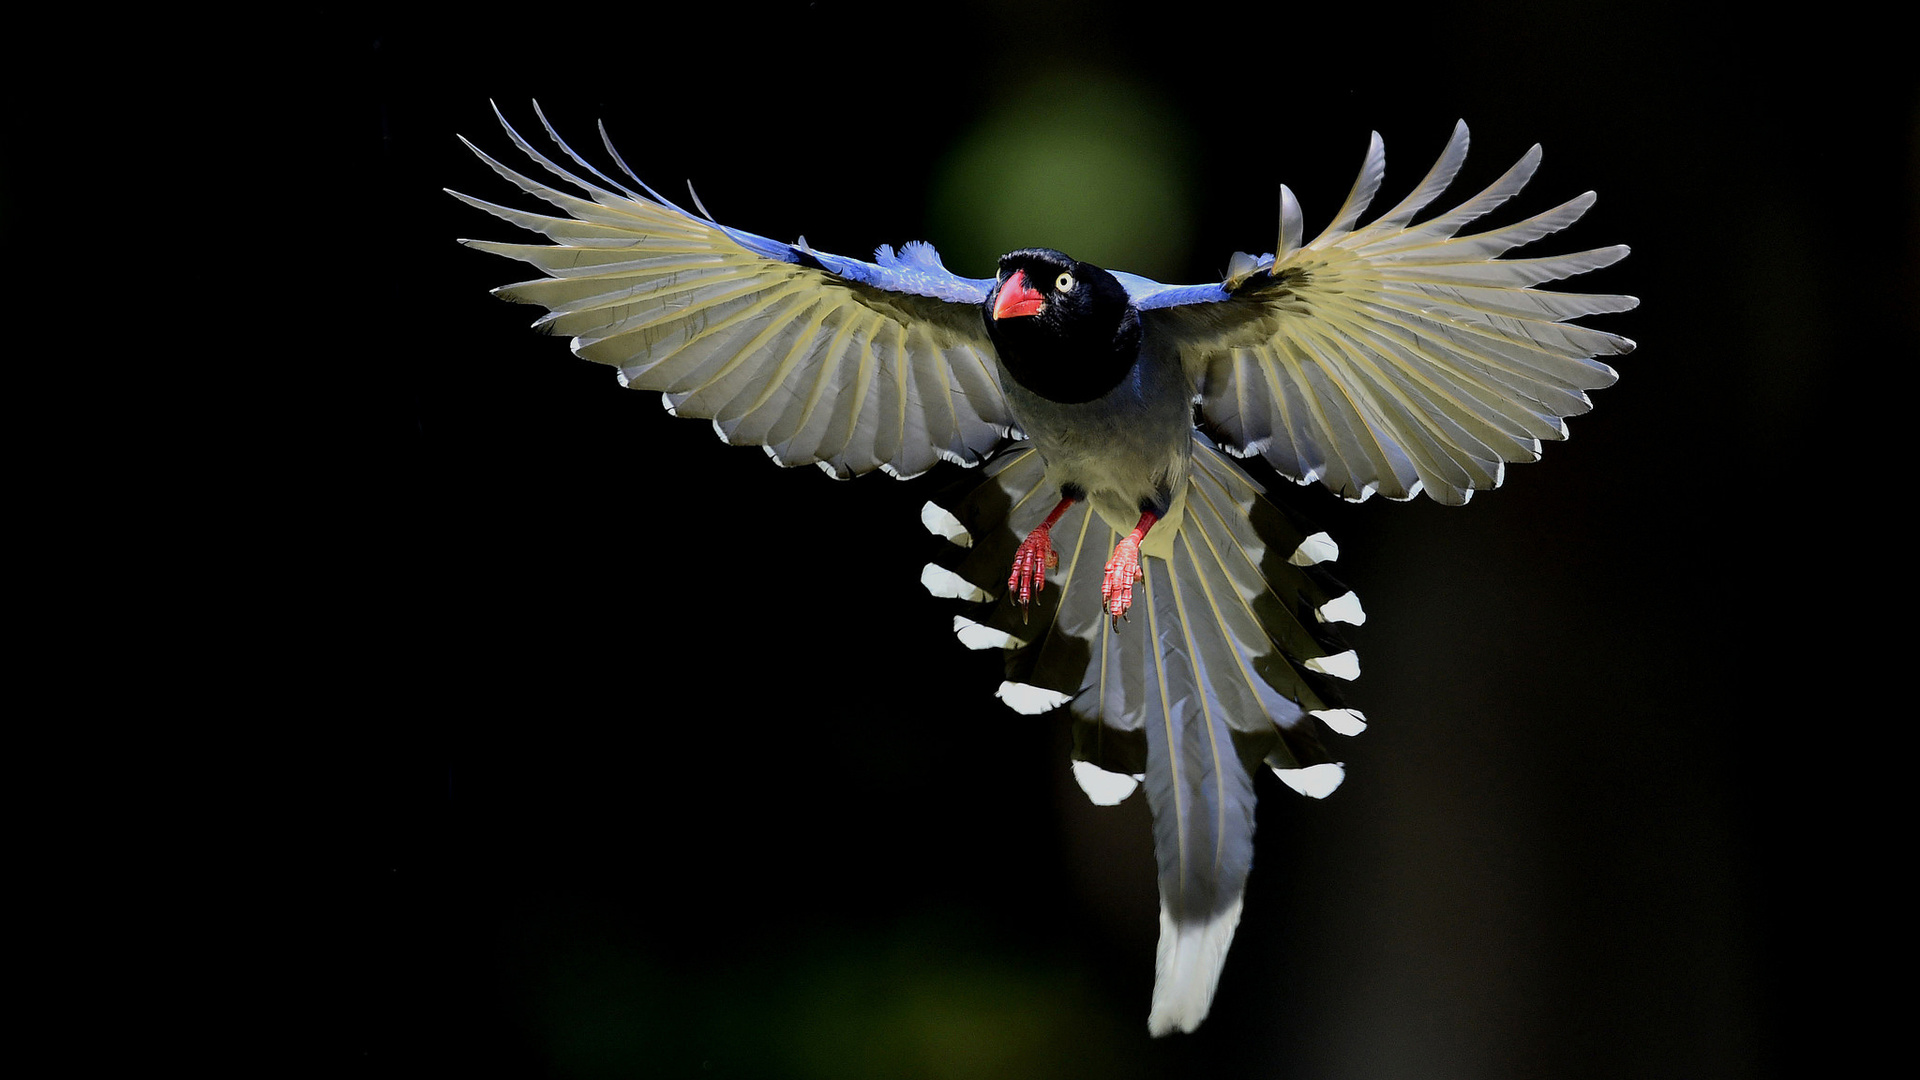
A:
{"points": [[1017, 297]]}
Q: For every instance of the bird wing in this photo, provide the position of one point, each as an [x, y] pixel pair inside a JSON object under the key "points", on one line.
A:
{"points": [[1394, 357], [819, 358]]}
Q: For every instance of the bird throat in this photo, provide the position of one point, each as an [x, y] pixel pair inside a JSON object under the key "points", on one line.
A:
{"points": [[1067, 368]]}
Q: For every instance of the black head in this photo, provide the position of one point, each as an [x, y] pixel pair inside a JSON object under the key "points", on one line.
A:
{"points": [[1065, 329]]}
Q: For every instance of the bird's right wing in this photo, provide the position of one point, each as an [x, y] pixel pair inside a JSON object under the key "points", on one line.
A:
{"points": [[821, 359]]}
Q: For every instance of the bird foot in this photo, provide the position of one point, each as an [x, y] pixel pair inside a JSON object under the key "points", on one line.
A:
{"points": [[1030, 565], [1116, 587]]}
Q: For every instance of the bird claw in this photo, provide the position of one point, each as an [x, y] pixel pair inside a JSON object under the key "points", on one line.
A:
{"points": [[1116, 586], [1030, 565]]}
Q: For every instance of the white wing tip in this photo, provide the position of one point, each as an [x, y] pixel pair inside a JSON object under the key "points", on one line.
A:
{"points": [[1187, 969], [1343, 721], [1341, 665], [941, 581], [1103, 788], [1344, 608], [1314, 781], [939, 522], [957, 458], [1029, 699], [1317, 548]]}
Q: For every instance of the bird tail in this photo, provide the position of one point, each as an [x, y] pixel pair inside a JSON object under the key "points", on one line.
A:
{"points": [[1229, 659]]}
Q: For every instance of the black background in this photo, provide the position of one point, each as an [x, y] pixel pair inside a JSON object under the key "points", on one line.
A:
{"points": [[656, 760]]}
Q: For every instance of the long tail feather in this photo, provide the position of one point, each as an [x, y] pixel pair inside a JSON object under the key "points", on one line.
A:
{"points": [[1230, 659]]}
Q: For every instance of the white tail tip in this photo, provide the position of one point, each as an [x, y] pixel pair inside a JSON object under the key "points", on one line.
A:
{"points": [[1103, 788], [1314, 781], [1029, 699], [1187, 969]]}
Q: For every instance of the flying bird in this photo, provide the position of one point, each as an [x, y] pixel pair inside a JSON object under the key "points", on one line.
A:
{"points": [[1131, 572]]}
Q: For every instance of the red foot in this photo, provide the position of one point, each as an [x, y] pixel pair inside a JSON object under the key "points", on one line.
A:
{"points": [[1033, 559], [1116, 588], [1030, 565]]}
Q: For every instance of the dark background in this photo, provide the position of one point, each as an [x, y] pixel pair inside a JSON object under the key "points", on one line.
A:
{"points": [[659, 762]]}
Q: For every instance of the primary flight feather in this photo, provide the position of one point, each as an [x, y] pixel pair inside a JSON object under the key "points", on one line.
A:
{"points": [[1132, 573]]}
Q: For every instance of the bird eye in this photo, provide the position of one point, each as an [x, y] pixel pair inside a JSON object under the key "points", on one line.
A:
{"points": [[1063, 283]]}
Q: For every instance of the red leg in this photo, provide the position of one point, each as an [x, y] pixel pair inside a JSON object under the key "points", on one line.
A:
{"points": [[1034, 558], [1116, 588]]}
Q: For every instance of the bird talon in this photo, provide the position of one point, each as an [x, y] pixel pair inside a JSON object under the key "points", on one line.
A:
{"points": [[1116, 585], [1030, 565]]}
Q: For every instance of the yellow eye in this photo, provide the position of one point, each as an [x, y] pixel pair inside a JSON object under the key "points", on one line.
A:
{"points": [[1063, 283]]}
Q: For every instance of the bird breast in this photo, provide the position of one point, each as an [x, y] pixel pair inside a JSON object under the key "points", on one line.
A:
{"points": [[1127, 449]]}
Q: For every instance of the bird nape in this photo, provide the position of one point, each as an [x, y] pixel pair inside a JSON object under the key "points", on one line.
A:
{"points": [[1129, 570]]}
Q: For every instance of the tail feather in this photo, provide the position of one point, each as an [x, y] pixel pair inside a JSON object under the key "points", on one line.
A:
{"points": [[1186, 968], [1230, 660]]}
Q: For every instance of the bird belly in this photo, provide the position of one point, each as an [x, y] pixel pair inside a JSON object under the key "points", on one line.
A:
{"points": [[1129, 452]]}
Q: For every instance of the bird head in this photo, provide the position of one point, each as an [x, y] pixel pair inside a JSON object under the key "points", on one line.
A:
{"points": [[1065, 329]]}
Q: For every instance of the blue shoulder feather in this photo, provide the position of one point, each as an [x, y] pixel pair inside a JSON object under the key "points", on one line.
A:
{"points": [[1147, 293], [916, 269]]}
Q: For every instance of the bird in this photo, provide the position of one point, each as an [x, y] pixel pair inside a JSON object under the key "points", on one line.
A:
{"points": [[1130, 570]]}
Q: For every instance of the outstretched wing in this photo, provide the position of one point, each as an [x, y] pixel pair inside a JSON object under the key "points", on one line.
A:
{"points": [[821, 359], [1392, 357]]}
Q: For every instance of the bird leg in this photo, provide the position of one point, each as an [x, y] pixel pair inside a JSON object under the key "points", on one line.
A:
{"points": [[1034, 558], [1116, 588]]}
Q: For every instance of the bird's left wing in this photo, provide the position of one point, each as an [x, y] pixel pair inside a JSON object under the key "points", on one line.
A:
{"points": [[1392, 357], [821, 359]]}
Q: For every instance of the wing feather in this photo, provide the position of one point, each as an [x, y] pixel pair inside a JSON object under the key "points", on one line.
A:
{"points": [[1365, 186], [1397, 357], [822, 359], [1444, 169]]}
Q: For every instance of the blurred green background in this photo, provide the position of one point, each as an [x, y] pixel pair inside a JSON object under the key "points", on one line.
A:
{"points": [[670, 768]]}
